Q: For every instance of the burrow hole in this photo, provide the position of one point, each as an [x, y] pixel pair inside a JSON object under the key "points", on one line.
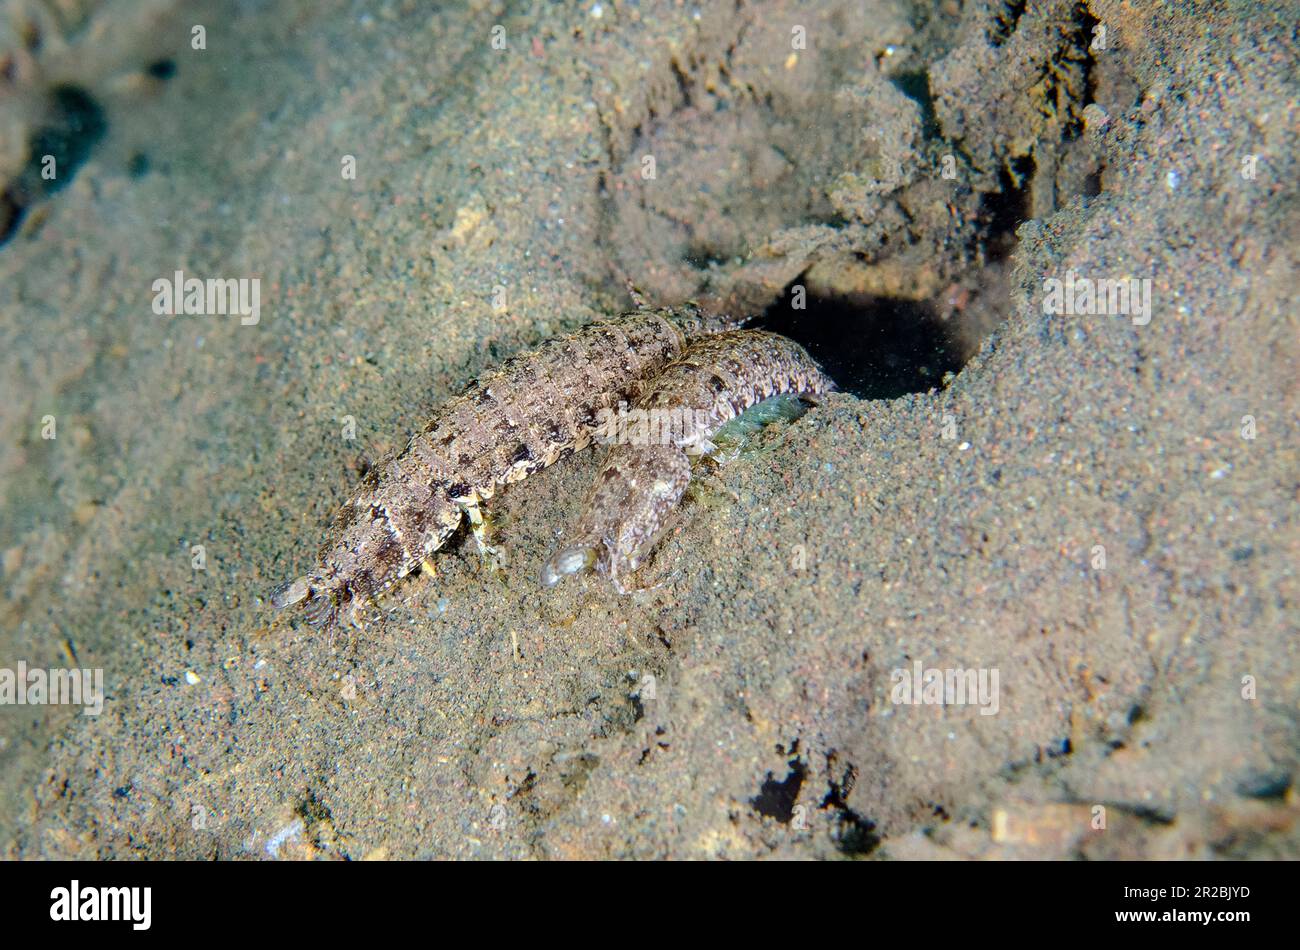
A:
{"points": [[873, 347]]}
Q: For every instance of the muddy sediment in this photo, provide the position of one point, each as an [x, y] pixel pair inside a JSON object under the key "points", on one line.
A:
{"points": [[1100, 508]]}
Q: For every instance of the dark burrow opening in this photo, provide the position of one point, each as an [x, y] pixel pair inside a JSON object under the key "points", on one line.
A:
{"points": [[776, 798], [73, 128], [873, 347], [853, 833], [1007, 208]]}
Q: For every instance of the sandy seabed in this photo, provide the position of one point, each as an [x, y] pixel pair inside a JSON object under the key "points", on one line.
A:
{"points": [[1095, 511]]}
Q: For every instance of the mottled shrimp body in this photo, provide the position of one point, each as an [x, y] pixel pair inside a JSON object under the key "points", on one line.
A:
{"points": [[532, 411], [640, 483]]}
